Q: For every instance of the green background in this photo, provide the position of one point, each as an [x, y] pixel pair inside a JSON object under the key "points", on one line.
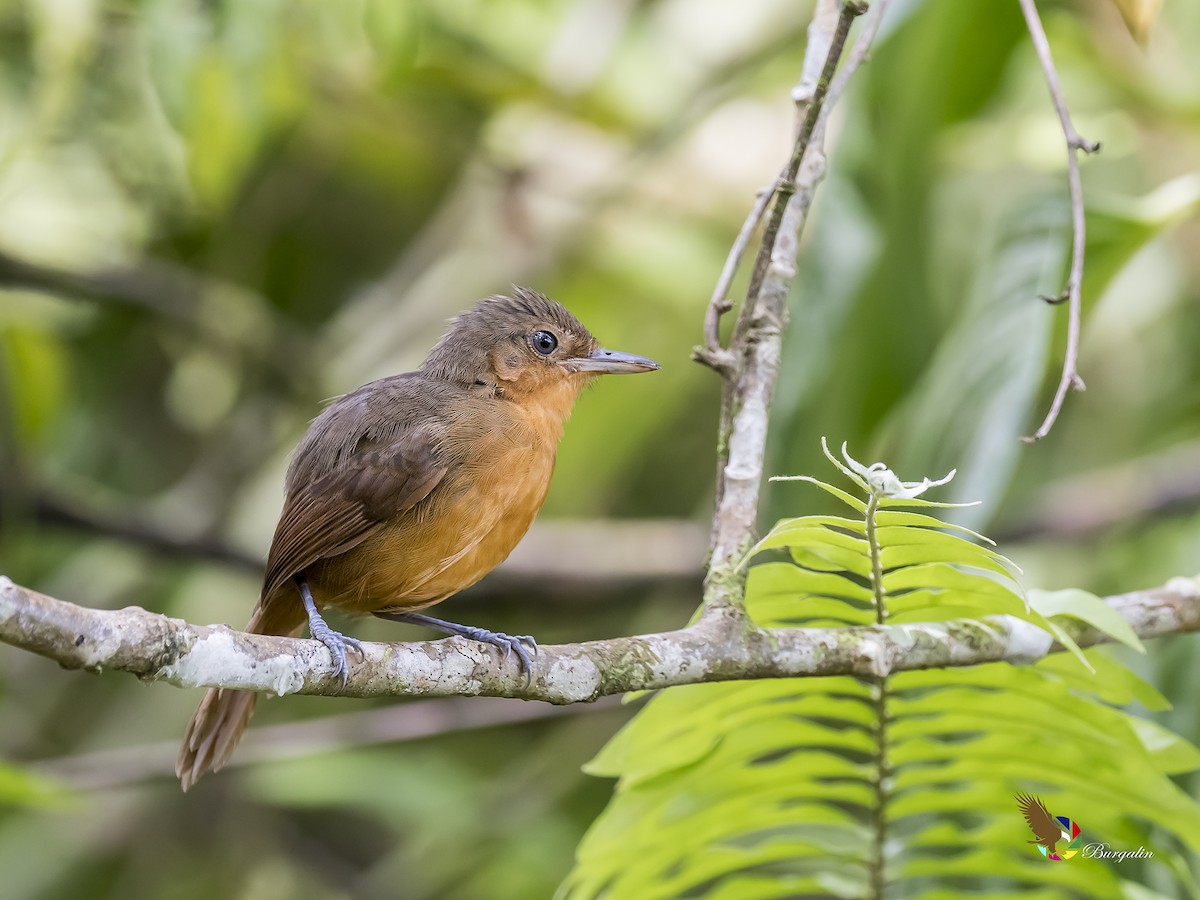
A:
{"points": [[215, 216]]}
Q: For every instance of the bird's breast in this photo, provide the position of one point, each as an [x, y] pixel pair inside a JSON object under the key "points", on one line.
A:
{"points": [[466, 527]]}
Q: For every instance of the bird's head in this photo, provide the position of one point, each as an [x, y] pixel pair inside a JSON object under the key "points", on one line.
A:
{"points": [[525, 345]]}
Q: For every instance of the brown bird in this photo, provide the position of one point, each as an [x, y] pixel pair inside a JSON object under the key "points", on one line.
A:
{"points": [[414, 487], [1040, 821]]}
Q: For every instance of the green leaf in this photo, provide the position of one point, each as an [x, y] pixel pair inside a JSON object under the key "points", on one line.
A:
{"points": [[1105, 678], [906, 546], [777, 788], [893, 502], [885, 517], [849, 500], [1172, 754], [818, 546], [786, 580], [1087, 608], [953, 581]]}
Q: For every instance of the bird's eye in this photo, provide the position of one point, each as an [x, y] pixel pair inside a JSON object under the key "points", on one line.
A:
{"points": [[544, 342]]}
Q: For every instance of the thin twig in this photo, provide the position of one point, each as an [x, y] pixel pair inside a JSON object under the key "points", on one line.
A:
{"points": [[712, 353], [397, 723], [1075, 142], [859, 55], [787, 180], [756, 345], [1136, 492], [177, 297], [133, 527]]}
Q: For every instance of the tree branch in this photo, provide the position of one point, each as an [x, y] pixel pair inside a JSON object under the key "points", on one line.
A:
{"points": [[1075, 142], [822, 38], [751, 363], [396, 723], [158, 648], [712, 354], [1131, 494], [181, 299], [860, 54]]}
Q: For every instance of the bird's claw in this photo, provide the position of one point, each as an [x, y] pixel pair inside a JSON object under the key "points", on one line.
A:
{"points": [[521, 644], [336, 643]]}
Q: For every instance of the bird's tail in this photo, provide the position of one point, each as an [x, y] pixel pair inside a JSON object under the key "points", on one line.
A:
{"points": [[223, 714]]}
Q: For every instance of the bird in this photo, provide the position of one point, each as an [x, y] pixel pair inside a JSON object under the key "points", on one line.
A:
{"points": [[1040, 822], [413, 487]]}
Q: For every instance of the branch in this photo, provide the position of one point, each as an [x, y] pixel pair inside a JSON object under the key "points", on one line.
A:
{"points": [[1128, 493], [751, 363], [137, 763], [137, 529], [712, 354], [860, 54], [158, 648], [1075, 142], [164, 290], [195, 305]]}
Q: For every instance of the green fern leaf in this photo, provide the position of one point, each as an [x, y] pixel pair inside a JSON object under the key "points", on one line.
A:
{"points": [[900, 786]]}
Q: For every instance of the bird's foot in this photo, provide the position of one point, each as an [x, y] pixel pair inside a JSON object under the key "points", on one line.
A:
{"points": [[335, 642], [520, 644], [523, 645]]}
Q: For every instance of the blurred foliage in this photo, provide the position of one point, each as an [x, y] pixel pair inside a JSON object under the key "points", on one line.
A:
{"points": [[215, 215], [898, 785]]}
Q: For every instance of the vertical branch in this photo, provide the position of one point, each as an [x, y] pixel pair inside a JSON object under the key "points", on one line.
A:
{"points": [[859, 55], [787, 180], [751, 362], [1075, 142]]}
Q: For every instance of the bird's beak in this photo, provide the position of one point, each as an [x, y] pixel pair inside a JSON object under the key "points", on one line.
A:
{"points": [[610, 362]]}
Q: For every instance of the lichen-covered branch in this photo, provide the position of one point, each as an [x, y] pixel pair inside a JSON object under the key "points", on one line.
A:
{"points": [[751, 362], [158, 648]]}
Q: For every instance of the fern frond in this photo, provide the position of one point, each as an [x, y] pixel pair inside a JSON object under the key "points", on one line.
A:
{"points": [[900, 786]]}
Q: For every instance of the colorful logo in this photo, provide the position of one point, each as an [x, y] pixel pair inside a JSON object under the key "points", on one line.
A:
{"points": [[1058, 837]]}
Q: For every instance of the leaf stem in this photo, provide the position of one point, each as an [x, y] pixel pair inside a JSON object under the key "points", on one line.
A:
{"points": [[785, 185], [876, 561], [880, 789], [882, 767]]}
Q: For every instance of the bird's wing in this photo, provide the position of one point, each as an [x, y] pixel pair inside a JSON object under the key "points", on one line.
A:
{"points": [[331, 513], [1040, 822]]}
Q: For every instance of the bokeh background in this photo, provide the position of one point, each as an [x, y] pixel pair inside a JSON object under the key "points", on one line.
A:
{"points": [[213, 216]]}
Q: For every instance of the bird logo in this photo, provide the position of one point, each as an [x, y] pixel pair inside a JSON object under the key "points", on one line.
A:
{"points": [[1051, 831]]}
